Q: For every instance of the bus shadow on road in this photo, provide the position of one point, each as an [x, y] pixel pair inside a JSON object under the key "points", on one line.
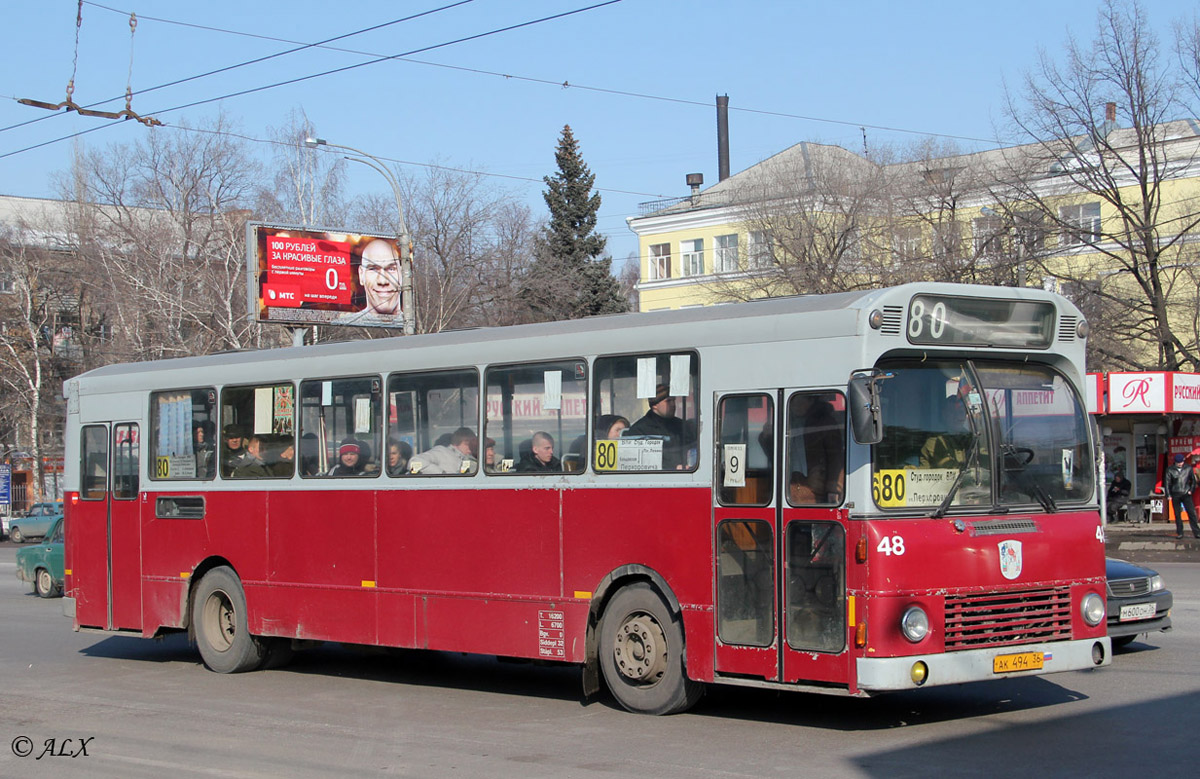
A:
{"points": [[416, 667], [1080, 744], [171, 648], [893, 710], [488, 674]]}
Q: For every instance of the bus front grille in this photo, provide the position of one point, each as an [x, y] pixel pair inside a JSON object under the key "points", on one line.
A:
{"points": [[1007, 618]]}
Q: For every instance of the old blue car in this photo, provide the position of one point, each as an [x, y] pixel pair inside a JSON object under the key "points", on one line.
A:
{"points": [[35, 524], [43, 564]]}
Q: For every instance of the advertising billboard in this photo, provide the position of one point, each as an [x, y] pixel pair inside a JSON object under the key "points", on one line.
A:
{"points": [[307, 277]]}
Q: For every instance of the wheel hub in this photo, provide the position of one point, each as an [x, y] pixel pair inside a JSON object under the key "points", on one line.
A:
{"points": [[640, 649]]}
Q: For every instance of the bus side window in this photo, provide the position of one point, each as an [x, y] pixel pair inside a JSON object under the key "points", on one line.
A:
{"points": [[650, 401], [183, 434], [537, 414], [433, 424], [125, 462], [746, 457], [343, 417], [257, 422], [94, 463], [816, 448]]}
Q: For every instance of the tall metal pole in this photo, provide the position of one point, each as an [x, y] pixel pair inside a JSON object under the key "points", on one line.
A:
{"points": [[407, 289]]}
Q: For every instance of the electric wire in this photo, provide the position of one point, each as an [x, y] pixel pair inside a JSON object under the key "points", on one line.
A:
{"points": [[333, 71], [297, 48]]}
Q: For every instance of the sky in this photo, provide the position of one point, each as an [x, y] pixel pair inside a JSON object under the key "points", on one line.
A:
{"points": [[635, 79]]}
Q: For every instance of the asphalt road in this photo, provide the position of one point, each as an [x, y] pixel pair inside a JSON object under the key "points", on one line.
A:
{"points": [[140, 708]]}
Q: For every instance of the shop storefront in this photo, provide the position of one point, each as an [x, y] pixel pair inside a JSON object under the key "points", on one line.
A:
{"points": [[1144, 419]]}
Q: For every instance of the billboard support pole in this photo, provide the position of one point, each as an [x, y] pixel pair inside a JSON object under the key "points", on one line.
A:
{"points": [[407, 290]]}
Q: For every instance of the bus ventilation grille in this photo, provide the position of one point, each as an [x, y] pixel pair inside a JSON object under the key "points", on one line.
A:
{"points": [[1066, 328], [1129, 588], [1007, 618], [893, 320], [1003, 527]]}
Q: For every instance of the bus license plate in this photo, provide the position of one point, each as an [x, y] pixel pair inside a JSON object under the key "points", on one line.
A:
{"points": [[1138, 611], [1025, 661]]}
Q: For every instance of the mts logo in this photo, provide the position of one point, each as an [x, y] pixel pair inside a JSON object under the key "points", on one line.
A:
{"points": [[287, 295]]}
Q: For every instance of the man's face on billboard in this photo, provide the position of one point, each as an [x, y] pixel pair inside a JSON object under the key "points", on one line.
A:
{"points": [[379, 275]]}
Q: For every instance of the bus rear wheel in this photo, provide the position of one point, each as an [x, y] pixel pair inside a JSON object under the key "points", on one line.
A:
{"points": [[219, 620], [641, 653]]}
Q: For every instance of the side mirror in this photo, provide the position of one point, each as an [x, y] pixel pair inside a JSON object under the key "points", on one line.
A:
{"points": [[866, 420]]}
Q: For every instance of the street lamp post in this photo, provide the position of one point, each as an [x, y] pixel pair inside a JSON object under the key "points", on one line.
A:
{"points": [[407, 293]]}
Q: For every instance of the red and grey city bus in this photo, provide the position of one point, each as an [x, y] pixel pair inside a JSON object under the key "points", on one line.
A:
{"points": [[851, 493]]}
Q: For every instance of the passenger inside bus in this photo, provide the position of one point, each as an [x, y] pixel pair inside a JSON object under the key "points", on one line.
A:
{"points": [[609, 426], [202, 445], [233, 450], [541, 457], [399, 454], [351, 461], [284, 461], [660, 420], [948, 448], [251, 464], [457, 456]]}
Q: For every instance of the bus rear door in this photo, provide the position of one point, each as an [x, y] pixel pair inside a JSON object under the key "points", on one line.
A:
{"points": [[105, 554]]}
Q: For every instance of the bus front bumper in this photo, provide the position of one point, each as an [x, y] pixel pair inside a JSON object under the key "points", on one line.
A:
{"points": [[881, 674]]}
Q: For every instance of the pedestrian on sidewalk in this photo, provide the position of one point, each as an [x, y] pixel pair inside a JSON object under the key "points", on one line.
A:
{"points": [[1180, 481]]}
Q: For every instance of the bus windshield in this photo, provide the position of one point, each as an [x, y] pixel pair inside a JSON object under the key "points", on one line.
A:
{"points": [[973, 433]]}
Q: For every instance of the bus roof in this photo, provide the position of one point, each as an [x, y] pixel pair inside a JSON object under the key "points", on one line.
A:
{"points": [[764, 320]]}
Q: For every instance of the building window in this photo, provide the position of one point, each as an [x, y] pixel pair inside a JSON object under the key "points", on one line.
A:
{"points": [[660, 261], [947, 237], [906, 242], [7, 286], [691, 256], [1081, 224], [727, 254], [988, 234], [761, 249]]}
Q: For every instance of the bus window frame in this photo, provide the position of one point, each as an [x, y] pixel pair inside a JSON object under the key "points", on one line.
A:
{"points": [[379, 447], [595, 414], [480, 415], [559, 446], [294, 384], [214, 418]]}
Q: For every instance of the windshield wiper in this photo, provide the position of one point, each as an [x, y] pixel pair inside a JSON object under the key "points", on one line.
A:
{"points": [[1043, 498]]}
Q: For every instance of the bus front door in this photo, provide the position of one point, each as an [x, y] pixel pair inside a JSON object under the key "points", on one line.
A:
{"points": [[105, 552], [780, 556], [745, 500]]}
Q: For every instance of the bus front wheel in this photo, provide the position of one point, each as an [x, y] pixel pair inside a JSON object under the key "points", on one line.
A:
{"points": [[219, 620], [641, 653]]}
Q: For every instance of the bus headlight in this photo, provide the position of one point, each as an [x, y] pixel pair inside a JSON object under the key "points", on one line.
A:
{"points": [[1093, 609], [914, 624]]}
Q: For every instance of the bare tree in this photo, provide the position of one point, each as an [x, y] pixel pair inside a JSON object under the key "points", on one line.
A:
{"points": [[1102, 124], [470, 245], [307, 186], [816, 219], [163, 220], [39, 347]]}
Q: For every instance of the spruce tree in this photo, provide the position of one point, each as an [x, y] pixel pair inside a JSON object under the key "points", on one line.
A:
{"points": [[569, 279]]}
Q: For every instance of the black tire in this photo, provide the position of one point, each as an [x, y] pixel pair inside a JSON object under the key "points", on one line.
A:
{"points": [[641, 653], [43, 584], [14, 535], [1122, 642], [219, 622]]}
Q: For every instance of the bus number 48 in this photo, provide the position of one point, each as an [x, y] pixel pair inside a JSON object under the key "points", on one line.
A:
{"points": [[891, 545]]}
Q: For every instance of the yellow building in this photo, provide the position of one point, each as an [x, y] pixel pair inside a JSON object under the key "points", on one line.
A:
{"points": [[815, 218]]}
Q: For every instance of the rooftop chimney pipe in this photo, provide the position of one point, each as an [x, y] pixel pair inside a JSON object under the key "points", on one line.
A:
{"points": [[722, 137]]}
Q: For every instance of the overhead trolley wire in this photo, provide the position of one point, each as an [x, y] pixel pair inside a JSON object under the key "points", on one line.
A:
{"points": [[333, 71]]}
